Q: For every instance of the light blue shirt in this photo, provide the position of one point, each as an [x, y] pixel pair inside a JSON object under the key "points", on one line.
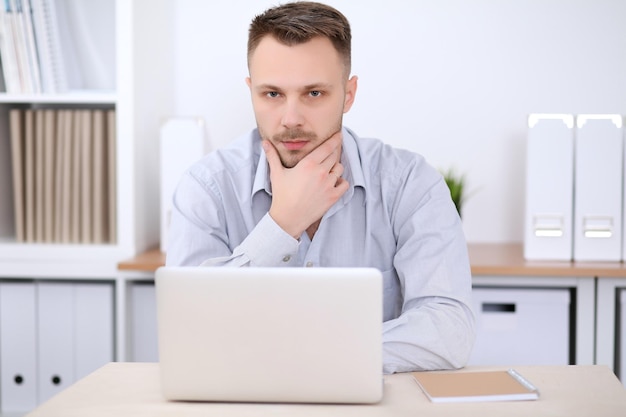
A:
{"points": [[397, 216]]}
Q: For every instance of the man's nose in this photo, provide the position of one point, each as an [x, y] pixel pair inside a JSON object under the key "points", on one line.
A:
{"points": [[292, 114]]}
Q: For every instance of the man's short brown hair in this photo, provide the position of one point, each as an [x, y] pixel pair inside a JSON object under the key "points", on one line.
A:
{"points": [[299, 22]]}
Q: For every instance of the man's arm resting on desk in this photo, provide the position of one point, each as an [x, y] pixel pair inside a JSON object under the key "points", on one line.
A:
{"points": [[437, 333]]}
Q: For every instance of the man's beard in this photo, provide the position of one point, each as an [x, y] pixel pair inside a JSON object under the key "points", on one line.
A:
{"points": [[291, 159]]}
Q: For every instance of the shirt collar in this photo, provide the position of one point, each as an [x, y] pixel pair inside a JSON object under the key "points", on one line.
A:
{"points": [[350, 159]]}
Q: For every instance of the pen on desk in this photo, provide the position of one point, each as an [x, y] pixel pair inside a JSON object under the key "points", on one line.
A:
{"points": [[522, 380]]}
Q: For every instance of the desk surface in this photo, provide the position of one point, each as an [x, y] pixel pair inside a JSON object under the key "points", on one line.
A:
{"points": [[125, 389], [485, 258]]}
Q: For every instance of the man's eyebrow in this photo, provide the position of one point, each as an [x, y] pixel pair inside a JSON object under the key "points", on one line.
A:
{"points": [[267, 87], [317, 86], [308, 87]]}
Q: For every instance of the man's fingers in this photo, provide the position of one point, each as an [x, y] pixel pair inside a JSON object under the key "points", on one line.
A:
{"points": [[327, 149], [337, 169], [272, 155]]}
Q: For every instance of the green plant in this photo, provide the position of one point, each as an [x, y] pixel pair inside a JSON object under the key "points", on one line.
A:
{"points": [[456, 184]]}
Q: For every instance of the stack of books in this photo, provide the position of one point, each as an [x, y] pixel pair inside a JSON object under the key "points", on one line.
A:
{"points": [[64, 183], [31, 48]]}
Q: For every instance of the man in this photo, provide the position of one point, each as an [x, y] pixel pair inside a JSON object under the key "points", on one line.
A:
{"points": [[302, 190]]}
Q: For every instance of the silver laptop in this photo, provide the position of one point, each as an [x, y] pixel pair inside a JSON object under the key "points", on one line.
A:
{"points": [[311, 335]]}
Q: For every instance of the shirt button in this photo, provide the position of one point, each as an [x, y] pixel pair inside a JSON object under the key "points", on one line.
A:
{"points": [[287, 258], [309, 264]]}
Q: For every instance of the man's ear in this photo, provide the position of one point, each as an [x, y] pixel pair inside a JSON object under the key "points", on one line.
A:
{"points": [[351, 86], [249, 82]]}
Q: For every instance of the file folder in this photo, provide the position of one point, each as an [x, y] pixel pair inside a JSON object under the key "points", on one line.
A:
{"points": [[549, 187], [75, 330], [598, 198], [55, 332], [18, 341], [93, 320]]}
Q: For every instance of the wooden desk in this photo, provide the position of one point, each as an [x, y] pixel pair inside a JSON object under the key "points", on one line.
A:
{"points": [[508, 259], [133, 389], [485, 259]]}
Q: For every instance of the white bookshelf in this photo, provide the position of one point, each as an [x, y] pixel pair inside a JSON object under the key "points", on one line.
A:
{"points": [[138, 33]]}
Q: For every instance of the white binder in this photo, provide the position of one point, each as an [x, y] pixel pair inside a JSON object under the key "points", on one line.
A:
{"points": [[93, 320], [549, 187], [75, 331], [55, 333], [183, 142], [18, 357], [598, 197]]}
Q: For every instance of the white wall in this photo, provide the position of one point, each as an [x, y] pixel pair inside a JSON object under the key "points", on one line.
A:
{"points": [[452, 79]]}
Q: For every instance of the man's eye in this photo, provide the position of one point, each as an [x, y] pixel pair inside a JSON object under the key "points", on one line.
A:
{"points": [[272, 94], [315, 93]]}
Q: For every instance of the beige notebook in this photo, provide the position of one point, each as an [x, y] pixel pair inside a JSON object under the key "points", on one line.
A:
{"points": [[475, 386]]}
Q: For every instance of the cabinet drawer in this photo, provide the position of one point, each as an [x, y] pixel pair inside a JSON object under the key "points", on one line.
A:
{"points": [[528, 326]]}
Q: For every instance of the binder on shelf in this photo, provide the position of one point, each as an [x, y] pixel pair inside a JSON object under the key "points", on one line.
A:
{"points": [[16, 122], [49, 47], [182, 143], [31, 47], [76, 214], [98, 177], [19, 40], [8, 51], [112, 176], [75, 331], [49, 160], [548, 233], [66, 176], [93, 326], [18, 341], [85, 173], [598, 198], [59, 128], [39, 176], [29, 174], [55, 338]]}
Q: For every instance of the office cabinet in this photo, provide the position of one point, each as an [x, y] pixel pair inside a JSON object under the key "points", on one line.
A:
{"points": [[51, 334], [521, 326]]}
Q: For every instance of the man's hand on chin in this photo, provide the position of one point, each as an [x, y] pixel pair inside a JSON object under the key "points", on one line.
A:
{"points": [[301, 195]]}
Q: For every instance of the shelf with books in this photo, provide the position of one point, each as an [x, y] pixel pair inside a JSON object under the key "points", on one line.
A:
{"points": [[130, 78], [130, 43]]}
